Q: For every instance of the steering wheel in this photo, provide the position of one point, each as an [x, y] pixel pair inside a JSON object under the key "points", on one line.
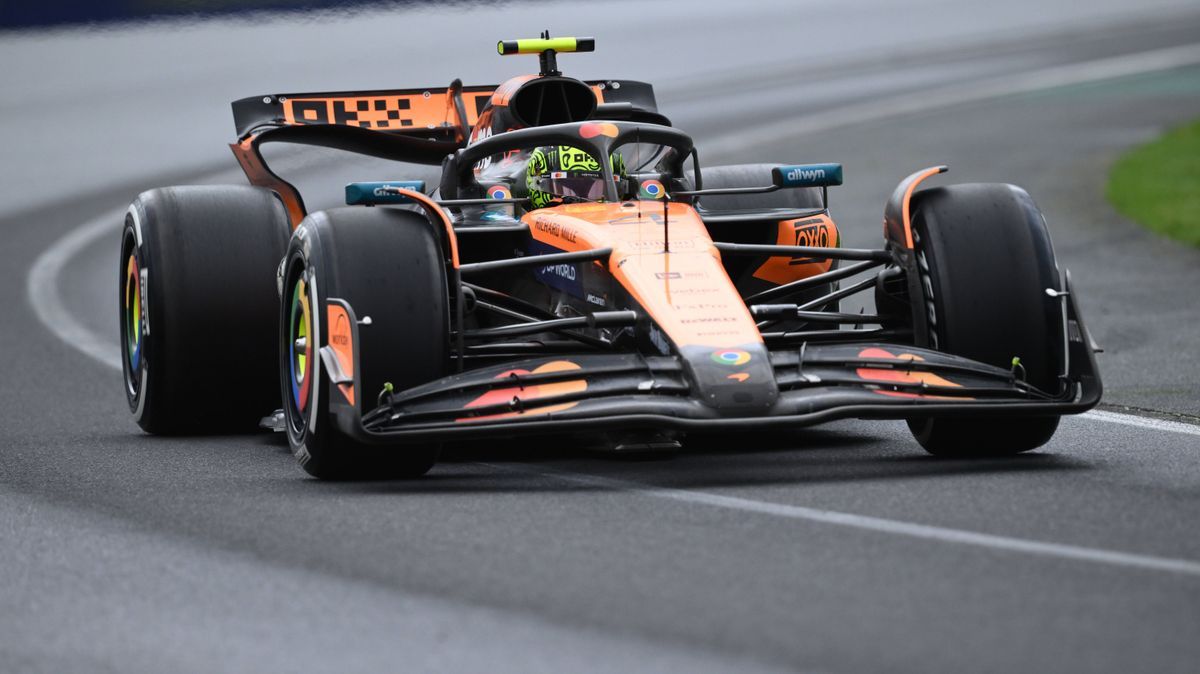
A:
{"points": [[598, 139]]}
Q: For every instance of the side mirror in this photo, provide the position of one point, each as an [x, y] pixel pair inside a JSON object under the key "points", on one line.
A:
{"points": [[807, 175], [370, 194]]}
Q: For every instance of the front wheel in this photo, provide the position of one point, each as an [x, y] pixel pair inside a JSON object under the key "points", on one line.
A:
{"points": [[386, 266], [986, 260]]}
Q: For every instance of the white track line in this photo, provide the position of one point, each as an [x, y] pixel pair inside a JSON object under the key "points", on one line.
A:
{"points": [[43, 292], [877, 524], [42, 287], [1143, 422], [955, 94]]}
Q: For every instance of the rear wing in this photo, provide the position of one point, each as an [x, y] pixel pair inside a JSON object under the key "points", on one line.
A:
{"points": [[427, 112], [412, 125], [404, 110]]}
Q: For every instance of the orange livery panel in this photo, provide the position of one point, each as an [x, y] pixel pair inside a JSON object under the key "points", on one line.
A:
{"points": [[818, 230], [678, 280]]}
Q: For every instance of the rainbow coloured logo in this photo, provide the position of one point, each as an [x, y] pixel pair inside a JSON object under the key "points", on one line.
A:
{"points": [[499, 192], [133, 314], [730, 357], [591, 130], [651, 189]]}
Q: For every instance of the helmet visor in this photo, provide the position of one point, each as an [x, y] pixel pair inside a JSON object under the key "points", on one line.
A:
{"points": [[573, 184]]}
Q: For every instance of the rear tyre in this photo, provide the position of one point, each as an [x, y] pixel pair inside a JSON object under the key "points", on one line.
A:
{"points": [[387, 265], [986, 261], [198, 301]]}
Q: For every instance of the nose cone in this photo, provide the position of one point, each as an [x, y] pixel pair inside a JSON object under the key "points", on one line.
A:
{"points": [[739, 380]]}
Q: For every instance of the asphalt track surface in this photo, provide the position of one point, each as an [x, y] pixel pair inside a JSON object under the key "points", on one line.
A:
{"points": [[839, 548]]}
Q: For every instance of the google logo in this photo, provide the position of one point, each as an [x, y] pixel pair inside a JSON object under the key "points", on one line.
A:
{"points": [[731, 357]]}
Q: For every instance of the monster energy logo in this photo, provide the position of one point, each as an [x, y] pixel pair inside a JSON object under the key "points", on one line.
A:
{"points": [[573, 159]]}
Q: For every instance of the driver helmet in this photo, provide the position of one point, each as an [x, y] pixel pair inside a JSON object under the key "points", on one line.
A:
{"points": [[562, 171]]}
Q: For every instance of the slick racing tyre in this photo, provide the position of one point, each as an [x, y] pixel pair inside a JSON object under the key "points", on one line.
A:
{"points": [[986, 261], [198, 302], [387, 265]]}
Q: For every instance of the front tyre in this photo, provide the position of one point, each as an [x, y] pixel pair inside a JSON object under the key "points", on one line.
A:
{"points": [[986, 260], [386, 264]]}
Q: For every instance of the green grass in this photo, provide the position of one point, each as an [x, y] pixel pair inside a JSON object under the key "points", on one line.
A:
{"points": [[1158, 184]]}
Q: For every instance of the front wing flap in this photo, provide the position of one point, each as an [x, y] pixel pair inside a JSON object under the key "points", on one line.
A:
{"points": [[818, 383]]}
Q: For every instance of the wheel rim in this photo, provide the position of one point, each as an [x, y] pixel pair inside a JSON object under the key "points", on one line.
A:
{"points": [[134, 341], [300, 348]]}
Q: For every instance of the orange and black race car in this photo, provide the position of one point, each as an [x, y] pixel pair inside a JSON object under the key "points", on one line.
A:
{"points": [[576, 272]]}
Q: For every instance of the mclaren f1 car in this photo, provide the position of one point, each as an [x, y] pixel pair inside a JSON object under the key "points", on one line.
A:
{"points": [[575, 271]]}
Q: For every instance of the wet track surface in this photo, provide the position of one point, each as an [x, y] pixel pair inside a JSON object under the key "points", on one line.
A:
{"points": [[126, 552]]}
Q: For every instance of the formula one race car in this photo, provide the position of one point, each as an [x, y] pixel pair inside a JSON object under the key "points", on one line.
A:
{"points": [[575, 272]]}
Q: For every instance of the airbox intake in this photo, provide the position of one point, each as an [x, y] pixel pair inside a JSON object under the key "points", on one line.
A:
{"points": [[552, 100]]}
